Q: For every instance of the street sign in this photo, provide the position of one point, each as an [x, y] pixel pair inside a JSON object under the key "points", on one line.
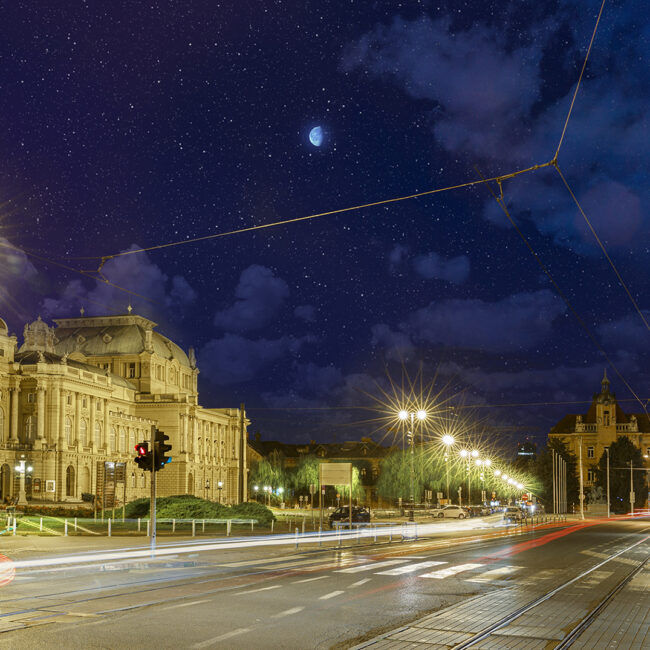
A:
{"points": [[439, 495], [335, 473]]}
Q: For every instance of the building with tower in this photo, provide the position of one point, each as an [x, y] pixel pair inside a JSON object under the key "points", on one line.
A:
{"points": [[599, 427], [76, 398]]}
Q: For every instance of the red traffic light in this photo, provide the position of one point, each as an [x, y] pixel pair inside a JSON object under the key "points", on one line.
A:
{"points": [[142, 449]]}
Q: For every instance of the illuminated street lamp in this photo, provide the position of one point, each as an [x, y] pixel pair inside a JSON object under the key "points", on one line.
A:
{"points": [[22, 470], [256, 490], [220, 487], [406, 415], [447, 440]]}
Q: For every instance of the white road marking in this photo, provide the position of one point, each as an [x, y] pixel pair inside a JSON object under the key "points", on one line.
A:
{"points": [[409, 568], [451, 571], [370, 567], [221, 637], [331, 595], [358, 584], [297, 582], [494, 574], [253, 562], [195, 602], [254, 591], [288, 612]]}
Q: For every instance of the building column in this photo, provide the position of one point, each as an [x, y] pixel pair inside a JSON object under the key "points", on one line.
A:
{"points": [[104, 442], [62, 401], [183, 436], [40, 411], [13, 433], [77, 417], [91, 427]]}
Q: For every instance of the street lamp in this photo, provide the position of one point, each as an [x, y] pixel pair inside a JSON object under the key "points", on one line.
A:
{"points": [[405, 415], [22, 470], [280, 492], [447, 440], [220, 487], [256, 489]]}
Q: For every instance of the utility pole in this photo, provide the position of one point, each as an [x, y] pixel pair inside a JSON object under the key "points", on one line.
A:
{"points": [[582, 496], [631, 489], [554, 491], [152, 507], [608, 506]]}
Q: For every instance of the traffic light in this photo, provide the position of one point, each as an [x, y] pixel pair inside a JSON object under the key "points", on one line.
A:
{"points": [[161, 448], [143, 459]]}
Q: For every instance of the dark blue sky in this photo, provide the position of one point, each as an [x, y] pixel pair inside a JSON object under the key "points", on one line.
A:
{"points": [[129, 125]]}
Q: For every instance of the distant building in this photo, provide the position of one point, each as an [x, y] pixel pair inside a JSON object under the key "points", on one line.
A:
{"points": [[366, 455], [76, 398], [599, 427]]}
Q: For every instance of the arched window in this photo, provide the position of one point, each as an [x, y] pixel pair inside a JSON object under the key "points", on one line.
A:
{"points": [[199, 447], [122, 440], [69, 481], [68, 431], [131, 440], [98, 434], [2, 424], [83, 433], [30, 428], [111, 442]]}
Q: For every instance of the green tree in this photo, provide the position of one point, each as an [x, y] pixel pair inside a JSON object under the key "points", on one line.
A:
{"points": [[542, 470], [305, 474], [621, 453], [269, 472]]}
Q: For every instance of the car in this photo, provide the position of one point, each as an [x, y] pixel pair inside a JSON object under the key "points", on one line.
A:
{"points": [[450, 511], [342, 514], [512, 513]]}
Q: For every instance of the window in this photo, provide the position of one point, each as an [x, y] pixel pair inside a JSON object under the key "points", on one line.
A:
{"points": [[591, 475], [131, 439], [30, 428], [84, 403], [98, 434], [606, 418], [68, 431], [69, 400], [31, 398], [131, 374], [122, 439], [83, 433], [2, 352], [590, 452]]}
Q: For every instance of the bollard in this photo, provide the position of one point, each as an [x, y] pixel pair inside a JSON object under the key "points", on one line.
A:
{"points": [[303, 525], [75, 524], [173, 525], [138, 524], [272, 521], [416, 531], [338, 530], [375, 536], [358, 534], [193, 527], [252, 522], [296, 537], [319, 539], [203, 526], [109, 527], [41, 526], [228, 527], [65, 527], [148, 522]]}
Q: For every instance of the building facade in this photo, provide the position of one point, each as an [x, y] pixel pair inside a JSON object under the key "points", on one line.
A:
{"points": [[76, 398], [598, 428]]}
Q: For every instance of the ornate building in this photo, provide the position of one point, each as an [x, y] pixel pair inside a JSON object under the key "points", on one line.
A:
{"points": [[599, 427], [76, 398]]}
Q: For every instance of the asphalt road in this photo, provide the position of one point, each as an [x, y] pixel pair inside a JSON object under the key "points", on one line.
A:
{"points": [[279, 597]]}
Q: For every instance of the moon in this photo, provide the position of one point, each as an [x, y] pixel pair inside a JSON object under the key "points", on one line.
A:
{"points": [[316, 136]]}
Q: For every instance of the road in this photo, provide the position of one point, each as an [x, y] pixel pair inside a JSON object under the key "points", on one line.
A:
{"points": [[280, 597]]}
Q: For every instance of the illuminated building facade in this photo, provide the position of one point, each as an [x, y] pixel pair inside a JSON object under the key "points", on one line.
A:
{"points": [[76, 398]]}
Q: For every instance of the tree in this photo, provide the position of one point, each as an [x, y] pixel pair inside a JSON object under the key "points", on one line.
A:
{"points": [[305, 474], [269, 472], [621, 453], [543, 470]]}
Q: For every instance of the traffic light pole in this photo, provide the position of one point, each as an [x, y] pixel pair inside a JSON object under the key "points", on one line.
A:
{"points": [[152, 507]]}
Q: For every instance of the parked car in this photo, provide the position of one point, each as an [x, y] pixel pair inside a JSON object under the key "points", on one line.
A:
{"points": [[512, 513], [342, 514], [450, 511]]}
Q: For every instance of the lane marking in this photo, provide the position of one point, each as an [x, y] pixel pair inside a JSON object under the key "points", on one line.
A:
{"points": [[221, 637], [494, 574], [358, 584], [288, 612], [297, 582], [451, 571], [410, 568], [254, 591], [370, 567], [195, 602], [332, 594], [261, 561]]}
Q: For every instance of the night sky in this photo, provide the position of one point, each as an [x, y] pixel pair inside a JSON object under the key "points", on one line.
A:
{"points": [[128, 125]]}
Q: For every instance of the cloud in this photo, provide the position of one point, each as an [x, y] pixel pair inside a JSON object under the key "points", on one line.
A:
{"points": [[396, 257], [510, 324], [260, 294], [14, 264], [305, 312], [627, 333], [233, 359], [501, 102], [432, 265], [153, 293], [398, 345]]}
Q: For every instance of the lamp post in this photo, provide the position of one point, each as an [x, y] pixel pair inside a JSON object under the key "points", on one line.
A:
{"points": [[280, 492], [255, 490], [22, 470], [406, 415], [220, 487], [447, 440], [608, 506], [207, 488]]}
